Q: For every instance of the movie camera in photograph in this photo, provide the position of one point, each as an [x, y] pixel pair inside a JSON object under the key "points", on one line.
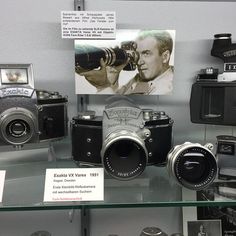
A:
{"points": [[28, 115], [88, 57], [124, 140], [213, 95]]}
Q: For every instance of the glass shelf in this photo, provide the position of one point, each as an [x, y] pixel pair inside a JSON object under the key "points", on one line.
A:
{"points": [[25, 176]]}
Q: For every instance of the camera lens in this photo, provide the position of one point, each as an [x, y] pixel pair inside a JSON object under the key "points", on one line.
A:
{"points": [[192, 165], [124, 158], [17, 126], [88, 57]]}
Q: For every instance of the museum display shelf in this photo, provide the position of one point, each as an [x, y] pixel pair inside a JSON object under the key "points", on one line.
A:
{"points": [[25, 176]]}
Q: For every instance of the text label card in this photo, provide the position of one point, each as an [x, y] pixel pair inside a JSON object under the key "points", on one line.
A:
{"points": [[74, 184], [2, 181], [88, 24]]}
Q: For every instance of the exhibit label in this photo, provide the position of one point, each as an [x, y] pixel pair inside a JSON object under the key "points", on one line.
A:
{"points": [[2, 181], [88, 24], [74, 184]]}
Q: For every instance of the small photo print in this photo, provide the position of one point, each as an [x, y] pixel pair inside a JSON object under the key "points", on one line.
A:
{"points": [[14, 76], [204, 228], [218, 192], [136, 62]]}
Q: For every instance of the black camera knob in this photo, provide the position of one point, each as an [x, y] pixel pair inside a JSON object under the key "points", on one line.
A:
{"points": [[55, 95], [147, 114], [152, 231], [223, 36], [42, 95]]}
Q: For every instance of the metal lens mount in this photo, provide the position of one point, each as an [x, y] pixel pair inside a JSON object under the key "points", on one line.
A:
{"points": [[17, 126], [192, 165], [124, 155]]}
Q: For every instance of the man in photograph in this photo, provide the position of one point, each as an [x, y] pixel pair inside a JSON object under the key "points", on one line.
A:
{"points": [[155, 75]]}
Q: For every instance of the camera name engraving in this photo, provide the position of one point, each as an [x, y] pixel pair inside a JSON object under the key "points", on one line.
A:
{"points": [[6, 92], [123, 112]]}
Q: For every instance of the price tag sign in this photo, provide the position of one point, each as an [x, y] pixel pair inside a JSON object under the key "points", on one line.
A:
{"points": [[74, 184], [88, 24], [2, 181]]}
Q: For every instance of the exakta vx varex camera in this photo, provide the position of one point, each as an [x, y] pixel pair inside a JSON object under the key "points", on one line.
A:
{"points": [[28, 115], [213, 95], [124, 140]]}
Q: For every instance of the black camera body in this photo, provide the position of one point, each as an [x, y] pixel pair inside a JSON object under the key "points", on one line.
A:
{"points": [[87, 140], [124, 140], [28, 115], [213, 95], [213, 102]]}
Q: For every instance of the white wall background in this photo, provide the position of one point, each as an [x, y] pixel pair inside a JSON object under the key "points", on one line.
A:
{"points": [[30, 33]]}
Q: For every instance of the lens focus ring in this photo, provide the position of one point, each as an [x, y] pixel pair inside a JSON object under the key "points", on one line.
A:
{"points": [[124, 155]]}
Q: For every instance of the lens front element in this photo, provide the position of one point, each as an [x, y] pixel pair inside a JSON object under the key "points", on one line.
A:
{"points": [[193, 165]]}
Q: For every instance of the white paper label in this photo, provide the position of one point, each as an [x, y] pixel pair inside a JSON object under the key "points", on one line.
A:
{"points": [[2, 181], [88, 24], [74, 184]]}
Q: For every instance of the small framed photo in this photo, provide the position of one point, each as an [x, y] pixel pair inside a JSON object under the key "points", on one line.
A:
{"points": [[204, 228], [16, 74]]}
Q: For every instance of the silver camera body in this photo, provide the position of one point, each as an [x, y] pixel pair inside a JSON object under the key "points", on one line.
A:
{"points": [[124, 140], [28, 115]]}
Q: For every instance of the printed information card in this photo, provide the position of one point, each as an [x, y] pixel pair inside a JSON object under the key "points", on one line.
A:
{"points": [[88, 24], [2, 181], [74, 184]]}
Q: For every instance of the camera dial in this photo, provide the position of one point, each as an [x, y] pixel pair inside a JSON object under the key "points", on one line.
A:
{"points": [[192, 165]]}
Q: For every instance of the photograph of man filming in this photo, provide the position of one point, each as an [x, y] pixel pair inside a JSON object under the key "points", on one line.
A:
{"points": [[136, 62]]}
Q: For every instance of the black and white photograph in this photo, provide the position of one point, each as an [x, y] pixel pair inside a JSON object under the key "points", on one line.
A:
{"points": [[219, 191], [14, 76], [204, 228], [136, 62]]}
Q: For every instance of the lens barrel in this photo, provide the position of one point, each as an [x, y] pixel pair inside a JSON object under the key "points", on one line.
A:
{"points": [[17, 126], [192, 165], [88, 57], [124, 155]]}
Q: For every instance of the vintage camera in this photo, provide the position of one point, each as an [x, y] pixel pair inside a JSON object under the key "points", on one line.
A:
{"points": [[213, 95], [87, 57], [192, 165], [28, 115], [226, 155], [124, 140]]}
